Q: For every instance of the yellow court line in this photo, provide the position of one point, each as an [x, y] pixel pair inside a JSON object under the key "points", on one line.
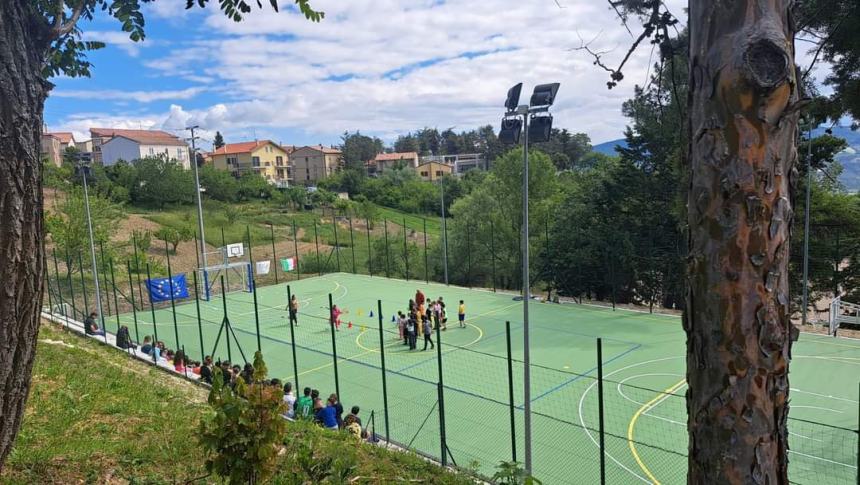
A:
{"points": [[340, 359], [645, 407]]}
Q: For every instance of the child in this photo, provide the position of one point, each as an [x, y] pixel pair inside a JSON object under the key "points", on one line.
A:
{"points": [[461, 314], [335, 317], [410, 330], [294, 311], [400, 324]]}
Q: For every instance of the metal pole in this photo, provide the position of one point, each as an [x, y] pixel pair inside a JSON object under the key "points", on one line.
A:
{"points": [[223, 254], [426, 262], [227, 333], [600, 410], [444, 230], [104, 275], [405, 250], [317, 239], [256, 314], [493, 253], [274, 252], [137, 270], [71, 286], [293, 341], [115, 301], [352, 243], [468, 256], [197, 196], [84, 172], [441, 397], [333, 347], [526, 296], [133, 309], [172, 301], [296, 247], [196, 254], [87, 308], [369, 248], [806, 233], [49, 291], [199, 322], [59, 288], [152, 310], [336, 242], [384, 382], [511, 393], [387, 256]]}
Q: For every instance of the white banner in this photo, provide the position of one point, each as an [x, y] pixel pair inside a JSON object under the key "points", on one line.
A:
{"points": [[263, 267]]}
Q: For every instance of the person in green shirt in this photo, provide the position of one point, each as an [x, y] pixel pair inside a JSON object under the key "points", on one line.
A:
{"points": [[304, 405]]}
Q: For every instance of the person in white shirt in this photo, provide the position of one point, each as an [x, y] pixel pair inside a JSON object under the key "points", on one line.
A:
{"points": [[290, 400]]}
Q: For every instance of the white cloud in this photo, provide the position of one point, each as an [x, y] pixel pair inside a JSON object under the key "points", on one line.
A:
{"points": [[122, 95], [454, 63]]}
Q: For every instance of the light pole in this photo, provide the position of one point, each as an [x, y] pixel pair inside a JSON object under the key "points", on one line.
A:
{"points": [[197, 195], [536, 112], [444, 230], [84, 170]]}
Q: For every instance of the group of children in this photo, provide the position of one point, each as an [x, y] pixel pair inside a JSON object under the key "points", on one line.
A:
{"points": [[421, 318]]}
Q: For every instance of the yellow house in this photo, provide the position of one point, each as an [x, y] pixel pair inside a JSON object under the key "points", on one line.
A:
{"points": [[313, 163], [433, 171], [263, 157]]}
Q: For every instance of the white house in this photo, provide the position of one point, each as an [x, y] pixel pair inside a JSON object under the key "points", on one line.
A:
{"points": [[130, 147]]}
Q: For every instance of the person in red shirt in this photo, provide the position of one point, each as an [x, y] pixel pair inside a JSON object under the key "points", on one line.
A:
{"points": [[419, 298], [335, 317]]}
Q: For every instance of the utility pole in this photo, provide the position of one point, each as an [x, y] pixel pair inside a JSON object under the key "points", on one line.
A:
{"points": [[193, 156]]}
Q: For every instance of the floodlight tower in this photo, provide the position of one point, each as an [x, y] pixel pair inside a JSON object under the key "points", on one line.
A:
{"points": [[536, 125]]}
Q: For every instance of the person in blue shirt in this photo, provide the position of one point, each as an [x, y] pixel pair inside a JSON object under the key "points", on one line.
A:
{"points": [[327, 415]]}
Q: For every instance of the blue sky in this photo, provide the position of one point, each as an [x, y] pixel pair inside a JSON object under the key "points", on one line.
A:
{"points": [[384, 67]]}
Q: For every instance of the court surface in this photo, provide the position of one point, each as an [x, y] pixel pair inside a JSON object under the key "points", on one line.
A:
{"points": [[643, 366]]}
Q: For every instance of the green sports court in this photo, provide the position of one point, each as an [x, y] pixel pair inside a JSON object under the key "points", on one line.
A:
{"points": [[643, 368]]}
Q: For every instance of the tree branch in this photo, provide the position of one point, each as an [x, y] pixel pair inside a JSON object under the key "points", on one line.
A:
{"points": [[62, 28], [821, 46]]}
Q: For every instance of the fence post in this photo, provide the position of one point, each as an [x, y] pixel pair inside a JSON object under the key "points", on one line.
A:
{"points": [[493, 252], [224, 248], [133, 308], [250, 252], [426, 262], [511, 393], [369, 248], [199, 322], [387, 256], [152, 310], [227, 332], [274, 251], [59, 287], [468, 256], [336, 242], [600, 411], [293, 340], [352, 244], [296, 247], [441, 398], [172, 300], [405, 249], [137, 267], [384, 382], [87, 310], [103, 272], [49, 291], [71, 286], [256, 314], [115, 301], [317, 241], [445, 237], [331, 320]]}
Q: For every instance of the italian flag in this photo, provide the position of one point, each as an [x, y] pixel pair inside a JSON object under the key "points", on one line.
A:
{"points": [[288, 264]]}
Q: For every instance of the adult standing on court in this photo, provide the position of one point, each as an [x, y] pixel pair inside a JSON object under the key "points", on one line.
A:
{"points": [[294, 310], [419, 298]]}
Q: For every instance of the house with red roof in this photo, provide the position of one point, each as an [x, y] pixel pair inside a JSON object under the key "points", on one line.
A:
{"points": [[264, 157]]}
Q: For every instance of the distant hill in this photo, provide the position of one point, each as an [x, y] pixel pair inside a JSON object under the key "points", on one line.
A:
{"points": [[608, 147], [849, 158]]}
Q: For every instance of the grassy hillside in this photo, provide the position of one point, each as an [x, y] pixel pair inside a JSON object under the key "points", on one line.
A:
{"points": [[96, 416]]}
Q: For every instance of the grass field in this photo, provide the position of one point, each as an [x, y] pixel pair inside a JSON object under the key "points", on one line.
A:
{"points": [[643, 360]]}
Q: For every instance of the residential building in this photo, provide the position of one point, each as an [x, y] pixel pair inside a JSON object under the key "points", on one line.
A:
{"points": [[433, 171], [312, 163], [133, 147], [150, 143], [50, 149], [388, 161], [462, 162], [264, 157]]}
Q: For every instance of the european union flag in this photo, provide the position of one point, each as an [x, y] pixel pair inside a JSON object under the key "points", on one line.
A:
{"points": [[159, 288]]}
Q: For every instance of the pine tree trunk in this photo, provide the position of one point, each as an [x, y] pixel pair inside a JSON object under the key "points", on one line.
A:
{"points": [[743, 121], [22, 96]]}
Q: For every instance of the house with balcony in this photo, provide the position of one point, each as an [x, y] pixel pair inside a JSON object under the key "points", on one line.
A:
{"points": [[461, 163], [388, 161], [131, 145], [263, 157], [313, 163]]}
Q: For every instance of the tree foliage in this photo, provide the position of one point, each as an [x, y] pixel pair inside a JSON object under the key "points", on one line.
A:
{"points": [[67, 222]]}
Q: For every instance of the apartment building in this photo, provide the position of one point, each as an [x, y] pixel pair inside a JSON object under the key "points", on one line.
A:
{"points": [[313, 163], [146, 143], [264, 157]]}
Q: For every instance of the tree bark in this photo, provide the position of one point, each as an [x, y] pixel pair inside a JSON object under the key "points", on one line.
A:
{"points": [[743, 120], [23, 42]]}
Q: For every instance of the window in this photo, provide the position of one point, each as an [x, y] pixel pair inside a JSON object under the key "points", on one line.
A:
{"points": [[279, 160], [180, 153], [424, 174], [152, 152], [280, 173], [255, 161], [439, 174], [268, 164], [232, 161], [306, 159]]}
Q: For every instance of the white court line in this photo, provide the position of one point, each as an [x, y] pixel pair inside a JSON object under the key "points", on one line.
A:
{"points": [[822, 459], [804, 437], [793, 389], [817, 407]]}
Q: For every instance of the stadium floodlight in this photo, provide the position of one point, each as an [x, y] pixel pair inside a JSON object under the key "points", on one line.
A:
{"points": [[513, 99], [540, 128], [536, 125], [544, 95], [509, 134]]}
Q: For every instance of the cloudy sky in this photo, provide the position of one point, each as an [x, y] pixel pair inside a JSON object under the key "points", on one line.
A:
{"points": [[384, 67]]}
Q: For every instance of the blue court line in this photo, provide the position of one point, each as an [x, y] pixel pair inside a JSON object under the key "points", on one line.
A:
{"points": [[574, 379]]}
